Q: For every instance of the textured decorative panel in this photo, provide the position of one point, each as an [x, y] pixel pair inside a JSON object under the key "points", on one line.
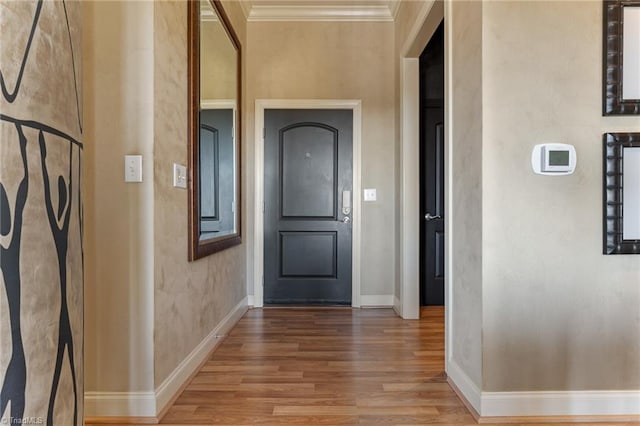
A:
{"points": [[41, 318]]}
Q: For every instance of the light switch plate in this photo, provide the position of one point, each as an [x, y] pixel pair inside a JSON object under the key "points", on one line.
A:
{"points": [[179, 176], [133, 168], [370, 194]]}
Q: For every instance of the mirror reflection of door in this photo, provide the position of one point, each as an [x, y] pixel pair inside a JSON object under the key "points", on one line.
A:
{"points": [[217, 173], [214, 115], [432, 165]]}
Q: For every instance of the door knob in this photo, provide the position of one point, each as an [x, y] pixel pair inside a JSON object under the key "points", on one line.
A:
{"points": [[429, 217], [346, 219]]}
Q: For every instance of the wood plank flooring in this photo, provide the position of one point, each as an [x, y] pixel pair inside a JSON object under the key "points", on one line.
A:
{"points": [[324, 366]]}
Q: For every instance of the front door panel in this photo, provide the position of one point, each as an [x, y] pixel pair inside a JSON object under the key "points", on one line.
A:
{"points": [[308, 165]]}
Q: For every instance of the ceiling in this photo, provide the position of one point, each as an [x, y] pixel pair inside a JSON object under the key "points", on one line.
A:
{"points": [[319, 10]]}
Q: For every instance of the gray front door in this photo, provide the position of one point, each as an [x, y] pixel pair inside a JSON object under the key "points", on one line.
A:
{"points": [[308, 199]]}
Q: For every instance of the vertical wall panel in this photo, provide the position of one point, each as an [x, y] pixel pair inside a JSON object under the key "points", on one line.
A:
{"points": [[41, 317]]}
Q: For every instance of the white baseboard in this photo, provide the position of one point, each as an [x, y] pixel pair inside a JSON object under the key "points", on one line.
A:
{"points": [[397, 306], [118, 404], [464, 384], [251, 300], [377, 300], [151, 404], [166, 392], [569, 403]]}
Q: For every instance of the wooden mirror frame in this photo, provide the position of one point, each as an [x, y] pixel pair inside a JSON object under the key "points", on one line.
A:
{"points": [[612, 101], [199, 249], [613, 202]]}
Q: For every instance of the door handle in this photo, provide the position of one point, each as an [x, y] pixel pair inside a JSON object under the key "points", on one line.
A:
{"points": [[429, 217]]}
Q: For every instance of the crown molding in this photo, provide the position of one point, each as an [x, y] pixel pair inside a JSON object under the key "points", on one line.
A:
{"points": [[246, 9], [207, 14], [272, 13], [394, 7]]}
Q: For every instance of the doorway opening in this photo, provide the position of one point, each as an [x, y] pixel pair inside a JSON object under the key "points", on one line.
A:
{"points": [[326, 238], [432, 171]]}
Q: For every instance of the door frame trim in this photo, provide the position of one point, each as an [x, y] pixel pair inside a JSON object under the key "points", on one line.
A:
{"points": [[258, 242], [429, 17]]}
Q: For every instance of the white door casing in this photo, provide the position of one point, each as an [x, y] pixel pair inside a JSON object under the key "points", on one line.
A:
{"points": [[258, 244]]}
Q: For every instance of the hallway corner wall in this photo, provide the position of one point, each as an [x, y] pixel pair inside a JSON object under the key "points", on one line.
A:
{"points": [[463, 59], [118, 99], [149, 310]]}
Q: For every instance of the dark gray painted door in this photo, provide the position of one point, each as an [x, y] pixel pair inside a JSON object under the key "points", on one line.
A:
{"points": [[307, 228], [432, 170], [216, 172]]}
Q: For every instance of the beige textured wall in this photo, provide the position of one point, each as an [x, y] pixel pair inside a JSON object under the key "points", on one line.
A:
{"points": [[41, 217], [465, 197], [558, 315], [191, 298], [118, 58], [218, 66], [148, 307], [324, 60]]}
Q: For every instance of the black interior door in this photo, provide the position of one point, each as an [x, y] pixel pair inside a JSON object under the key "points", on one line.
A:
{"points": [[432, 171], [307, 221]]}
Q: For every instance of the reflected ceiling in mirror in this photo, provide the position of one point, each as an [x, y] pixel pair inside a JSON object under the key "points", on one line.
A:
{"points": [[214, 117]]}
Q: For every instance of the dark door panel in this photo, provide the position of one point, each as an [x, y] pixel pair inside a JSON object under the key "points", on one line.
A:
{"points": [[216, 172], [307, 241], [432, 171]]}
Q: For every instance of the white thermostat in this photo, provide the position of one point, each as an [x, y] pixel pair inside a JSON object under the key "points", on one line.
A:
{"points": [[553, 159]]}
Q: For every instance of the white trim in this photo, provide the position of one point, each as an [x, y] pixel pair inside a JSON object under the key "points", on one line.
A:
{"points": [[410, 189], [417, 32], [245, 8], [297, 13], [218, 104], [381, 300], [151, 404], [119, 404], [397, 306], [429, 16], [464, 384], [173, 384], [394, 7], [570, 403], [251, 300], [258, 252], [207, 13]]}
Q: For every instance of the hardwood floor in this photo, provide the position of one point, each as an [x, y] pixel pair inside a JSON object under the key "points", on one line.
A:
{"points": [[325, 366]]}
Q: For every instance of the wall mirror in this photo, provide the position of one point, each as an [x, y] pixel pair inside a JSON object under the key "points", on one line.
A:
{"points": [[621, 193], [621, 70], [214, 130]]}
